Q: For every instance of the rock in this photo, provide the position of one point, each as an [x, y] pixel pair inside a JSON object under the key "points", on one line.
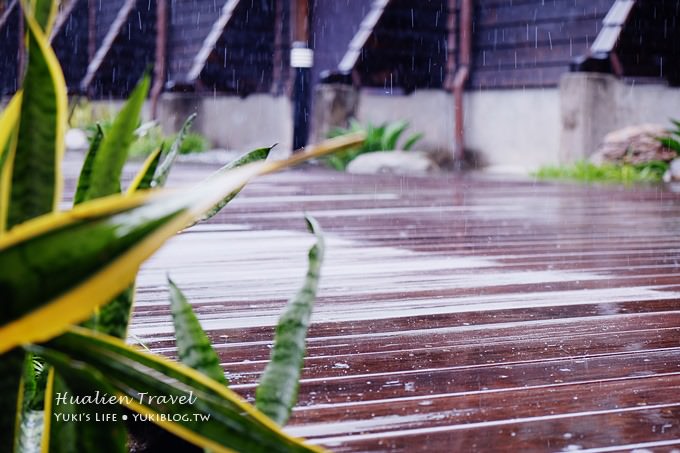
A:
{"points": [[76, 140], [396, 162], [673, 172], [634, 145]]}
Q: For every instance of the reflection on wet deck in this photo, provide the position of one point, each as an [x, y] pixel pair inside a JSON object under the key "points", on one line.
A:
{"points": [[454, 314]]}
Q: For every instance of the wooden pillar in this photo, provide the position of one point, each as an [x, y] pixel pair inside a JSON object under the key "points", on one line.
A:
{"points": [[161, 46], [21, 48], [300, 25], [91, 29]]}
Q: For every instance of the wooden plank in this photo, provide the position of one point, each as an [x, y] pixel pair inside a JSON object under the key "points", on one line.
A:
{"points": [[455, 313]]}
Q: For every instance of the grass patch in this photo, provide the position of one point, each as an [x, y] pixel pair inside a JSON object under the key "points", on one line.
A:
{"points": [[584, 171]]}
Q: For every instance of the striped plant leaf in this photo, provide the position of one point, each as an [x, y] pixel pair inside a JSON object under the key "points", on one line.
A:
{"points": [[145, 174], [114, 317], [31, 136], [113, 150], [90, 254], [209, 416], [9, 119], [277, 391], [252, 156], [11, 396], [35, 161], [161, 176], [193, 346], [73, 427], [86, 171], [45, 13], [30, 432], [412, 140]]}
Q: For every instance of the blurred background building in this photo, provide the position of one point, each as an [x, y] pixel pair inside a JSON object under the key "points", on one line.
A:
{"points": [[537, 81]]}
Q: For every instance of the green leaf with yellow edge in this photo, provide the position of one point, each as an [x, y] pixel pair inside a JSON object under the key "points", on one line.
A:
{"points": [[9, 120], [252, 156], [145, 175], [81, 426], [58, 268], [110, 159], [209, 415], [193, 345], [161, 176], [11, 397], [96, 248], [45, 13], [35, 163], [277, 391], [86, 171]]}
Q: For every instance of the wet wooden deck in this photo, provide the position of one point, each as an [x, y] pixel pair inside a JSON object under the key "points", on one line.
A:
{"points": [[454, 314]]}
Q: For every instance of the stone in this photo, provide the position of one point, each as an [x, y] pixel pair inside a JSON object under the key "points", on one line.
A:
{"points": [[76, 140], [334, 106], [634, 145], [395, 162], [673, 172]]}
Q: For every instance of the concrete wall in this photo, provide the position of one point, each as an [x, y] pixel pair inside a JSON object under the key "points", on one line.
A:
{"points": [[232, 122], [427, 111], [593, 105], [513, 130]]}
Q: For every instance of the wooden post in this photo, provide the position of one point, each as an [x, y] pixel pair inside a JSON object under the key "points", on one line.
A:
{"points": [[161, 45], [301, 21]]}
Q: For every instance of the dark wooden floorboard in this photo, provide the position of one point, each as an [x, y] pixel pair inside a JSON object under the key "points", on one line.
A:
{"points": [[455, 313]]}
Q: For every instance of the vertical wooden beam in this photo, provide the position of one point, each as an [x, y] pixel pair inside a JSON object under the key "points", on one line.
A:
{"points": [[301, 21], [277, 59], [21, 47], [91, 29], [161, 46]]}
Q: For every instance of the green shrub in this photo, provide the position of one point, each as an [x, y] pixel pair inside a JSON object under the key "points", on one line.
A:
{"points": [[378, 138], [611, 173], [150, 137]]}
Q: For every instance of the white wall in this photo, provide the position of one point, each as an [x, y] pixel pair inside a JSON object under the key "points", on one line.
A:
{"points": [[232, 122], [514, 129], [593, 105]]}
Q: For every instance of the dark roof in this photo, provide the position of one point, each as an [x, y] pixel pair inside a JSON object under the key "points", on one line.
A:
{"points": [[70, 42], [126, 50], [531, 43], [231, 50], [400, 44]]}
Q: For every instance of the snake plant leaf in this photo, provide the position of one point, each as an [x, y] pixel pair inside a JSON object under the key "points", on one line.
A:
{"points": [[252, 156], [45, 13], [8, 136], [145, 174], [11, 396], [113, 150], [113, 237], [193, 406], [412, 140], [58, 268], [36, 159], [77, 426], [161, 176], [86, 171], [193, 346], [113, 317], [277, 391], [30, 432], [391, 135]]}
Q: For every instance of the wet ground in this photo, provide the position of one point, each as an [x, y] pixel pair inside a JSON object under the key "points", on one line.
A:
{"points": [[454, 313]]}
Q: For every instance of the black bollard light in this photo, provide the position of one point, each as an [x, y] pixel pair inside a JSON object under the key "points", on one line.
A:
{"points": [[301, 60]]}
